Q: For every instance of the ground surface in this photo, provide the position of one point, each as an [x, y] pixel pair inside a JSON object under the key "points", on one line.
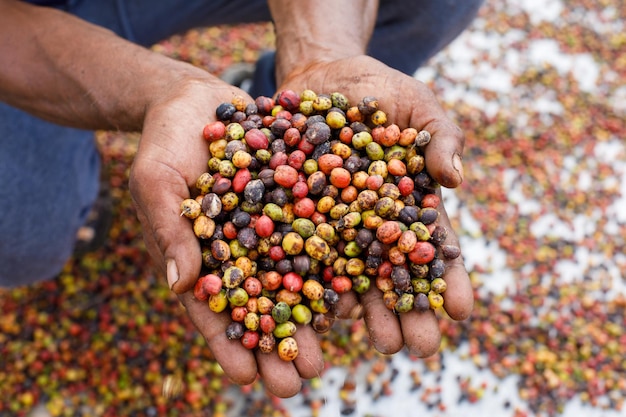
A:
{"points": [[539, 87]]}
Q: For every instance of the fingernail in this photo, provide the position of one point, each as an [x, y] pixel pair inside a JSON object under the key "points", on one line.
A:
{"points": [[356, 312], [172, 273], [458, 165]]}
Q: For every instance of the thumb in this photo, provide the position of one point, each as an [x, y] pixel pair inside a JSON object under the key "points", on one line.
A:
{"points": [[443, 154], [180, 247], [169, 237]]}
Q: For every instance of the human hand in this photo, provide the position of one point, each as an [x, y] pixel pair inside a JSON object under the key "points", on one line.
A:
{"points": [[408, 103], [172, 154]]}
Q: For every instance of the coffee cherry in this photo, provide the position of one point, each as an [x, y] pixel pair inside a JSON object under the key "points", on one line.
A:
{"points": [[309, 197]]}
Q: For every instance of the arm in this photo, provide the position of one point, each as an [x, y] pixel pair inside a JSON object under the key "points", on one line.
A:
{"points": [[71, 72], [311, 32], [322, 46]]}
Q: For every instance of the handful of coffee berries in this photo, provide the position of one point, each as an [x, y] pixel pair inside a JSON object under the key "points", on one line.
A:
{"points": [[307, 197]]}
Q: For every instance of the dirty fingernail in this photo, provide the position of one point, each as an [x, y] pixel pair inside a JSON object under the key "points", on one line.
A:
{"points": [[172, 273], [458, 165]]}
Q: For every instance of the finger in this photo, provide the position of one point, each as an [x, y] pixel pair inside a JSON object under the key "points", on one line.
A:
{"points": [[348, 307], [459, 295], [309, 362], [169, 236], [421, 332], [172, 154], [238, 362], [280, 377], [158, 188], [443, 153], [383, 325]]}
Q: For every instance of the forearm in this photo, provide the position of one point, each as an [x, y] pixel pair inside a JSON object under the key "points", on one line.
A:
{"points": [[309, 32], [71, 72]]}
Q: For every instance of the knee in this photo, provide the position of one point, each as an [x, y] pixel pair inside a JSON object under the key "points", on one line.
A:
{"points": [[408, 33], [37, 251]]}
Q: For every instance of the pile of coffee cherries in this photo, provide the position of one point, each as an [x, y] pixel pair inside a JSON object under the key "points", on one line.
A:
{"points": [[307, 197]]}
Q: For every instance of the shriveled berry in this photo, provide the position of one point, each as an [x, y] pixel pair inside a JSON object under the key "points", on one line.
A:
{"points": [[204, 183], [341, 284], [317, 248], [437, 268], [253, 191], [401, 278], [287, 349], [321, 323], [389, 232], [368, 105], [234, 131], [339, 100], [285, 176], [317, 133], [234, 330], [421, 285], [423, 253], [238, 313], [265, 304], [225, 111], [405, 303], [423, 138], [233, 277], [312, 289], [253, 286], [428, 215], [264, 104], [361, 284], [267, 324], [301, 314], [407, 137], [241, 178], [218, 302], [288, 99], [435, 300], [190, 208], [267, 342], [237, 296], [439, 235], [438, 285], [421, 302], [203, 227], [251, 321], [331, 296], [450, 251], [335, 119], [379, 117], [250, 339], [390, 299], [281, 312]]}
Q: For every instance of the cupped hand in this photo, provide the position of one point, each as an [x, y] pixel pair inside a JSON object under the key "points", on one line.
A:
{"points": [[407, 103], [172, 154]]}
